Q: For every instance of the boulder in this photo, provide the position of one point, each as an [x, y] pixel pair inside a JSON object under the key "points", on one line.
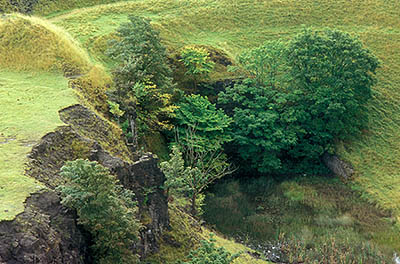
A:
{"points": [[337, 166]]}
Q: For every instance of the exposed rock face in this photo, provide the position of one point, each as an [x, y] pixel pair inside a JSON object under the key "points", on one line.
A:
{"points": [[89, 125], [145, 179], [46, 232], [54, 149], [338, 166]]}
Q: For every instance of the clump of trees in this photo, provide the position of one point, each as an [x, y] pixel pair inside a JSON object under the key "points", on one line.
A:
{"points": [[298, 98], [104, 208], [141, 101], [295, 100]]}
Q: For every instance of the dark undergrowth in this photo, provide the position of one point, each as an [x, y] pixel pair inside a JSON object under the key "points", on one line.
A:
{"points": [[306, 220]]}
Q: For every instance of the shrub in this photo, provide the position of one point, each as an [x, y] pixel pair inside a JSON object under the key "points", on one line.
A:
{"points": [[208, 253], [197, 62], [104, 208]]}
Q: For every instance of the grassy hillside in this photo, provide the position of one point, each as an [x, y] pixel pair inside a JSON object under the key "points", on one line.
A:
{"points": [[236, 25], [30, 104], [34, 58], [29, 43], [30, 46]]}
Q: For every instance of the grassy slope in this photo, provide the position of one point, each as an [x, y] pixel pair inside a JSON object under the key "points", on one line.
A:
{"points": [[34, 55], [30, 104], [235, 25]]}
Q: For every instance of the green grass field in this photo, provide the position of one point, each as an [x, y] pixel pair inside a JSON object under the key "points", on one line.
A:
{"points": [[236, 25], [29, 109]]}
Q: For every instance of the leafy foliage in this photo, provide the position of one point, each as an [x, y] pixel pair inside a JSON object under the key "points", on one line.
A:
{"points": [[104, 208], [175, 172], [208, 253], [299, 98], [264, 64], [115, 110], [191, 172], [196, 113], [143, 82], [334, 74], [143, 58], [197, 62]]}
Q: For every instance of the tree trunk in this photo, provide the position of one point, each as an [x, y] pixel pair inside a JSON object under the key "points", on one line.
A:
{"points": [[193, 209], [132, 124]]}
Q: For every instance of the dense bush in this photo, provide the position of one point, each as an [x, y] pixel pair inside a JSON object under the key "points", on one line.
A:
{"points": [[208, 124], [197, 63], [299, 98], [104, 208]]}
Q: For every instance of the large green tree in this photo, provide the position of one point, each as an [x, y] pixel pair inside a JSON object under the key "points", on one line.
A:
{"points": [[334, 74], [142, 80], [141, 55], [298, 98]]}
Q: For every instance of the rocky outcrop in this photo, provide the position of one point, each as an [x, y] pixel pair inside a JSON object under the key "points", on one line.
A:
{"points": [[89, 125], [46, 232], [338, 167], [145, 179], [54, 149]]}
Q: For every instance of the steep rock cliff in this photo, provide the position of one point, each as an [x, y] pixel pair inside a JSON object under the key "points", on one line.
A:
{"points": [[47, 232]]}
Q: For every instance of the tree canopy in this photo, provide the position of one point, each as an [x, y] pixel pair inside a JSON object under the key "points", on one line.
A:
{"points": [[209, 125], [298, 98], [141, 55]]}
